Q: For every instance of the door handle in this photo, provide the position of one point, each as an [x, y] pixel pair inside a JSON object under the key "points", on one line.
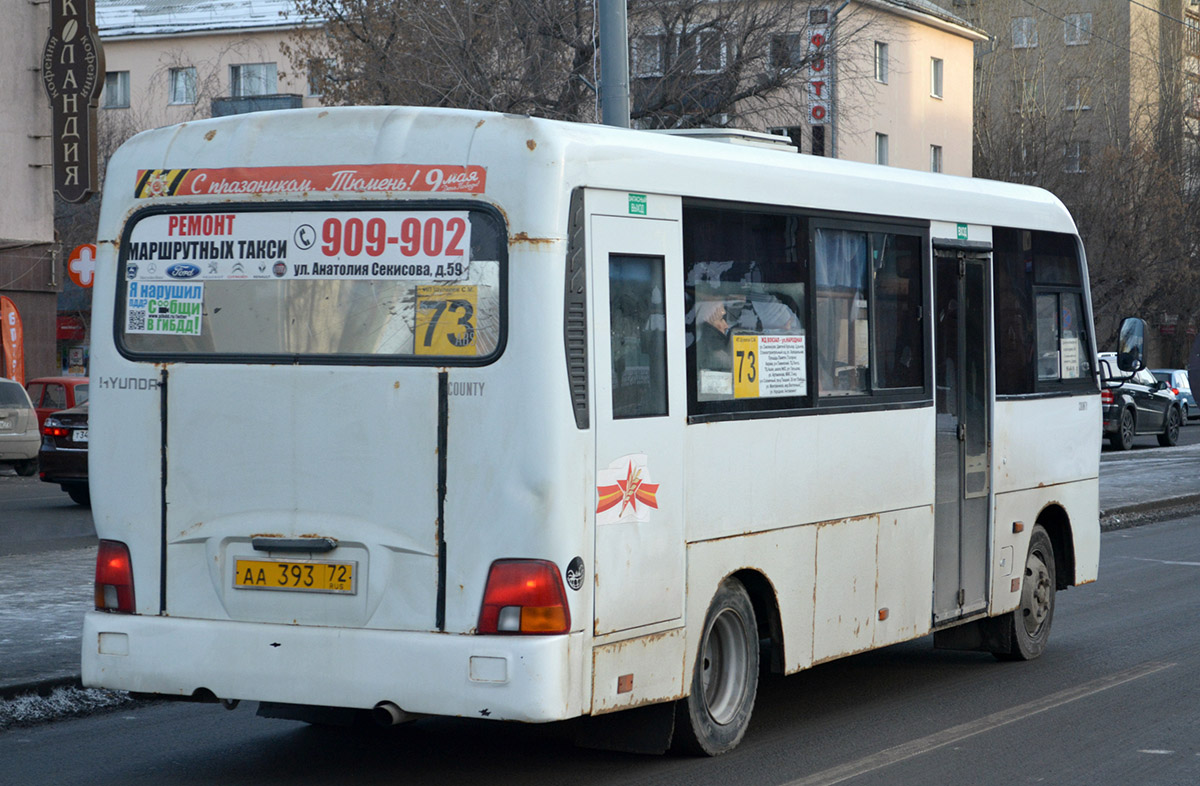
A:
{"points": [[269, 543]]}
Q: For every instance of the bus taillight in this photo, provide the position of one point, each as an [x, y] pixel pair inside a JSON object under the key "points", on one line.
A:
{"points": [[524, 596], [114, 577]]}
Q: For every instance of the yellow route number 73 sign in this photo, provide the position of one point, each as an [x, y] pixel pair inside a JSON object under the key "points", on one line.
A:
{"points": [[769, 366], [446, 320]]}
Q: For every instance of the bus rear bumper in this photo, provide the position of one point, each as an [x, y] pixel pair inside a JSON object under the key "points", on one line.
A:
{"points": [[527, 678]]}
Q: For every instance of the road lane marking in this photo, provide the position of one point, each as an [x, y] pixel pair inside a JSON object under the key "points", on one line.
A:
{"points": [[961, 732], [1166, 561]]}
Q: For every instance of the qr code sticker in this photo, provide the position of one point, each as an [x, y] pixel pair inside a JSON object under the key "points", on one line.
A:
{"points": [[136, 321]]}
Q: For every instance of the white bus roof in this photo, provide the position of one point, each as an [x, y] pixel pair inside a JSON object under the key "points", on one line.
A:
{"points": [[528, 159]]}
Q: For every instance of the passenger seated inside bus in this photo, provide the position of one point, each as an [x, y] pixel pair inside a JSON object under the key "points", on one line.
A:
{"points": [[749, 310]]}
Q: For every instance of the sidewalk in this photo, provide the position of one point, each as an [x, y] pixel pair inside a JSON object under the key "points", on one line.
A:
{"points": [[41, 619], [46, 594]]}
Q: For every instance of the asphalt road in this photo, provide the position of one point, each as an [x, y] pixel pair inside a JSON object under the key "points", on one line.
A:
{"points": [[37, 516], [1115, 700]]}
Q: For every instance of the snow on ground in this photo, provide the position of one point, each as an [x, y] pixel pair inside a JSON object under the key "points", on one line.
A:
{"points": [[63, 702]]}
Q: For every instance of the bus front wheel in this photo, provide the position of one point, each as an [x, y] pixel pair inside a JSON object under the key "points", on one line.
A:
{"points": [[1030, 623], [713, 719]]}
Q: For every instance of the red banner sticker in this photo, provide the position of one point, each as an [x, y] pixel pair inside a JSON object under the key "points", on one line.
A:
{"points": [[385, 178]]}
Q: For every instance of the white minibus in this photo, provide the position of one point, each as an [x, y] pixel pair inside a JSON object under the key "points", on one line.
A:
{"points": [[411, 411]]}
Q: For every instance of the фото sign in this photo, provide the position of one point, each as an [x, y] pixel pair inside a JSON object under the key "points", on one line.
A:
{"points": [[818, 83], [72, 68]]}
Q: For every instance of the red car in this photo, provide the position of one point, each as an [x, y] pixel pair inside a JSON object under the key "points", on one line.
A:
{"points": [[50, 394]]}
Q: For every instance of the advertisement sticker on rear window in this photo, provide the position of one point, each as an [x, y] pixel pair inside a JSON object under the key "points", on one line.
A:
{"points": [[431, 245], [164, 308], [354, 178]]}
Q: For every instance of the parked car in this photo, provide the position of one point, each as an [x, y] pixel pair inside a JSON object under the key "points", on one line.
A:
{"points": [[64, 453], [18, 428], [1136, 405], [1177, 380], [50, 394]]}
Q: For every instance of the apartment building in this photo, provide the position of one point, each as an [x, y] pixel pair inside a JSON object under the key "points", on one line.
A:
{"points": [[168, 61], [29, 276], [898, 92], [1097, 101]]}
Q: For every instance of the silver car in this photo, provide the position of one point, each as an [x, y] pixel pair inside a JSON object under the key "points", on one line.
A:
{"points": [[20, 436]]}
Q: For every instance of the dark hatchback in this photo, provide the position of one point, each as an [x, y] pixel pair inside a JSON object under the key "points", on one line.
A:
{"points": [[1136, 405], [64, 454]]}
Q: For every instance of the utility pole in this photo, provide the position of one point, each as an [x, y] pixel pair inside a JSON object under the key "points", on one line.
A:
{"points": [[614, 64]]}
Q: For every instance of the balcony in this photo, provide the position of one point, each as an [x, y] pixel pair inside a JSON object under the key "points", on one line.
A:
{"points": [[240, 105]]}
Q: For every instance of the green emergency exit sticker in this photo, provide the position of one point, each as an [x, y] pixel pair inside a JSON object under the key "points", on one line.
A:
{"points": [[637, 204], [962, 231]]}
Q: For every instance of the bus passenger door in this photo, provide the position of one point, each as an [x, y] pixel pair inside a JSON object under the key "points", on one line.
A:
{"points": [[637, 296], [963, 351]]}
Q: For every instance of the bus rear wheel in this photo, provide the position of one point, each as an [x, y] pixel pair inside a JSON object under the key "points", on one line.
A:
{"points": [[713, 719], [1030, 623]]}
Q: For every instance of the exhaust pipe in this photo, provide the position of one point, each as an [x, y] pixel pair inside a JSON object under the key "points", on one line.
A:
{"points": [[386, 713]]}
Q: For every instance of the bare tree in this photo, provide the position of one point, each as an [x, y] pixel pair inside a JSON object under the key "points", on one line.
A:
{"points": [[695, 62], [1089, 106]]}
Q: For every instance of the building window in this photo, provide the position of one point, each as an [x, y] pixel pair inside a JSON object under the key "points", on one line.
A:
{"points": [[881, 149], [709, 51], [1075, 156], [1077, 29], [183, 85], [649, 55], [116, 90], [786, 51], [701, 52], [253, 79], [318, 73], [881, 62], [1026, 95], [935, 158], [818, 139], [935, 77], [1076, 94], [1024, 32]]}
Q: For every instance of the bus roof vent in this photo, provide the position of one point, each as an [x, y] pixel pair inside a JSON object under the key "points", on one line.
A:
{"points": [[736, 136]]}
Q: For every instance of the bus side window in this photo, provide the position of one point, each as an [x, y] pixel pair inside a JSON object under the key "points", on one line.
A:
{"points": [[638, 331], [1042, 342], [745, 275], [843, 317]]}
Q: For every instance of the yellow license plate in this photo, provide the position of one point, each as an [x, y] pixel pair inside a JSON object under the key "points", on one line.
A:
{"points": [[295, 575]]}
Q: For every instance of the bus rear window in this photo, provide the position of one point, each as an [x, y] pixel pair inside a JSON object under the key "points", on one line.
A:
{"points": [[410, 285]]}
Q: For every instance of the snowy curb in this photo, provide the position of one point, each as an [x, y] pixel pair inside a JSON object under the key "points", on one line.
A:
{"points": [[26, 705], [1137, 514]]}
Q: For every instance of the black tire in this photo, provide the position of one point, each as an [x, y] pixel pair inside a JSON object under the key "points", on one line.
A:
{"points": [[26, 468], [1029, 625], [80, 495], [1170, 436], [1183, 415], [1123, 438], [714, 717]]}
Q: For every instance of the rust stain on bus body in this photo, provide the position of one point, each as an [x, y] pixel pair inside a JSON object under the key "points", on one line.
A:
{"points": [[523, 238], [629, 644]]}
